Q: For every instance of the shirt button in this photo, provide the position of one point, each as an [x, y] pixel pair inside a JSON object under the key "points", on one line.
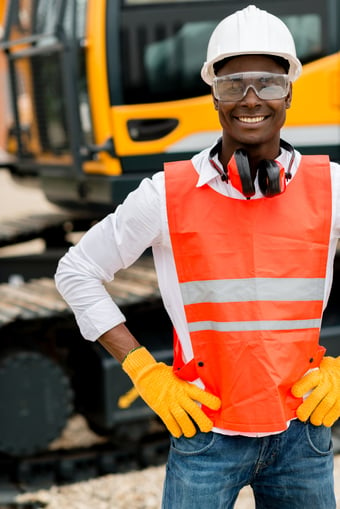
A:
{"points": [[201, 364], [311, 360]]}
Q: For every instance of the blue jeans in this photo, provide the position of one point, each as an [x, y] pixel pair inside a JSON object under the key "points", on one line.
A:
{"points": [[291, 470]]}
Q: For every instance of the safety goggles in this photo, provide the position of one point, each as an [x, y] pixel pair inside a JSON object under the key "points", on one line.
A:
{"points": [[266, 85]]}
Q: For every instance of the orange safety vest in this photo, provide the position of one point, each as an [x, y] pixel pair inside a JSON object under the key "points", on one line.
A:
{"points": [[252, 277]]}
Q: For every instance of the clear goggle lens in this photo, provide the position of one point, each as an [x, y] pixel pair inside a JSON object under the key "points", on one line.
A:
{"points": [[266, 85]]}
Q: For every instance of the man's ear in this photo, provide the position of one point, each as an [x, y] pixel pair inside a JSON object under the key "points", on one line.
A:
{"points": [[289, 97], [215, 101]]}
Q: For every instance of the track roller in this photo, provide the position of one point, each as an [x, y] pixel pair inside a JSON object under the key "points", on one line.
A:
{"points": [[35, 402]]}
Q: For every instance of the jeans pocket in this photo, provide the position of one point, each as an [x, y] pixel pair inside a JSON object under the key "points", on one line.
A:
{"points": [[319, 438], [198, 444]]}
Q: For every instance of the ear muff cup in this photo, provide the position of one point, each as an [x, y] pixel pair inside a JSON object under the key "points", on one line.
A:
{"points": [[239, 167], [271, 177]]}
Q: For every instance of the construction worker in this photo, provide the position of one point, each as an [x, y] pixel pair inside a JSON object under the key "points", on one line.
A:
{"points": [[243, 238]]}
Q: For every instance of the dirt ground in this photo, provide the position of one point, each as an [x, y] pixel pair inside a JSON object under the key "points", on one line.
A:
{"points": [[17, 199]]}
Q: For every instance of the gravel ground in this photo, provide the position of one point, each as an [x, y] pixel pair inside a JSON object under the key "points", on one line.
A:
{"points": [[135, 490]]}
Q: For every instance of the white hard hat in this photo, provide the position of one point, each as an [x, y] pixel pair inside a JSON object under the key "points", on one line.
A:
{"points": [[251, 31]]}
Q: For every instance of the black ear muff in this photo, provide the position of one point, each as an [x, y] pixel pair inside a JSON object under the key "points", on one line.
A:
{"points": [[272, 179], [239, 173]]}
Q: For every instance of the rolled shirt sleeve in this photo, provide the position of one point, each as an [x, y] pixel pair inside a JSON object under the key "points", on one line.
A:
{"points": [[112, 244]]}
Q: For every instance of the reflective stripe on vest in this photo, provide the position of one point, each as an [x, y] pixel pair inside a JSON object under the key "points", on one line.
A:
{"points": [[252, 276]]}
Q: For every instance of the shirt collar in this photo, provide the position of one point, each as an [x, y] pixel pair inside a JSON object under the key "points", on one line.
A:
{"points": [[208, 171], [214, 169]]}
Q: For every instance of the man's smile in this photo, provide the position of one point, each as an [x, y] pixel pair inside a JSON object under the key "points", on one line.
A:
{"points": [[251, 120]]}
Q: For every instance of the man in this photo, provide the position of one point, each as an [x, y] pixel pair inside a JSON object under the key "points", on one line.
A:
{"points": [[243, 238]]}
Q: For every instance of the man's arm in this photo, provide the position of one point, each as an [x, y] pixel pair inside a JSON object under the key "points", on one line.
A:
{"points": [[119, 341]]}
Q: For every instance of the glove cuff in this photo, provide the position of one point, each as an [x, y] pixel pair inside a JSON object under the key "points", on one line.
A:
{"points": [[136, 360]]}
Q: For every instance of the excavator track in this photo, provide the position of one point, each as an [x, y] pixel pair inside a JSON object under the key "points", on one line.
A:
{"points": [[31, 306], [39, 298], [24, 297], [50, 226], [64, 466], [40, 339]]}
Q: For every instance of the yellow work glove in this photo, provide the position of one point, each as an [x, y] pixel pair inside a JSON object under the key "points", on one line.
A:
{"points": [[173, 399], [322, 406]]}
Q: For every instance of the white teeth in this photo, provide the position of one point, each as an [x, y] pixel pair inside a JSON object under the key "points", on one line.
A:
{"points": [[251, 120]]}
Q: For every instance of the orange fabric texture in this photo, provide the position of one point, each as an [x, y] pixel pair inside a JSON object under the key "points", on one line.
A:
{"points": [[249, 364]]}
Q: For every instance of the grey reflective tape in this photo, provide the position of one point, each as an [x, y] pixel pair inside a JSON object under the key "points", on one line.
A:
{"points": [[314, 323], [253, 289]]}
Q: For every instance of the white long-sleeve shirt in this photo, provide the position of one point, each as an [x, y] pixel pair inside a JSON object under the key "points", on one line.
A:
{"points": [[141, 222]]}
